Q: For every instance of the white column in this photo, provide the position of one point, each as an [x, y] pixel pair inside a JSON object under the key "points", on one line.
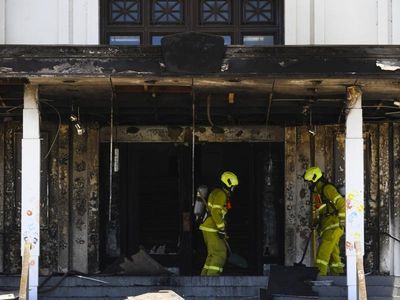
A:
{"points": [[2, 21], [383, 21], [30, 185], [395, 18], [354, 173]]}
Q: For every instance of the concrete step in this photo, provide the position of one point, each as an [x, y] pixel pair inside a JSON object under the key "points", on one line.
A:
{"points": [[378, 291], [293, 297], [371, 280], [197, 288], [119, 287]]}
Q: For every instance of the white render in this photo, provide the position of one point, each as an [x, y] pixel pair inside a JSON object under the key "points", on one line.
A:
{"points": [[49, 22], [345, 22], [30, 184], [354, 173], [306, 22]]}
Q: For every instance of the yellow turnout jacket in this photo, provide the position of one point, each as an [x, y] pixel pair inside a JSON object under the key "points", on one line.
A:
{"points": [[217, 210]]}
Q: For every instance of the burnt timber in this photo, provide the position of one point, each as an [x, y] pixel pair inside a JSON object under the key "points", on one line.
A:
{"points": [[297, 78]]}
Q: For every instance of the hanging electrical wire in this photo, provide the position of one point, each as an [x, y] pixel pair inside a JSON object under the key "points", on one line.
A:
{"points": [[269, 104], [209, 110], [193, 139], [110, 199], [44, 101]]}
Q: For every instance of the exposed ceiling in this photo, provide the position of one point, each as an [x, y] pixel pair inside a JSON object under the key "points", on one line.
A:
{"points": [[233, 101], [280, 85]]}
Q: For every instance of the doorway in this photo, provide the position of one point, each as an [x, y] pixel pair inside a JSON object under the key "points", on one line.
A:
{"points": [[152, 203]]}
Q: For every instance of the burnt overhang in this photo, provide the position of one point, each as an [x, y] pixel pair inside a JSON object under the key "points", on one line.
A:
{"points": [[279, 85]]}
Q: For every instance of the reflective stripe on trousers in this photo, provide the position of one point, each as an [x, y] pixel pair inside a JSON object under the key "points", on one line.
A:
{"points": [[322, 262], [215, 268]]}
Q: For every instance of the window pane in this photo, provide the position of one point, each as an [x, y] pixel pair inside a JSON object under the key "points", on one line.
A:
{"points": [[156, 40], [227, 39], [167, 11], [125, 11], [258, 40], [215, 11], [257, 11], [132, 40]]}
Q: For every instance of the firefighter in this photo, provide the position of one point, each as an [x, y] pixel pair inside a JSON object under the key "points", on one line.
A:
{"points": [[214, 226], [330, 219]]}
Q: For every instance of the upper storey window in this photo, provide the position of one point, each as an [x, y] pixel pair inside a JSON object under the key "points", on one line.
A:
{"points": [[167, 12], [146, 22], [215, 11], [257, 11], [125, 11]]}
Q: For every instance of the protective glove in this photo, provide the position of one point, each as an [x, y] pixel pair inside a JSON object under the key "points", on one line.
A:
{"points": [[222, 234]]}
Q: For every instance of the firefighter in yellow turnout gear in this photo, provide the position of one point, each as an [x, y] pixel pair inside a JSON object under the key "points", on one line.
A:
{"points": [[214, 226], [331, 215]]}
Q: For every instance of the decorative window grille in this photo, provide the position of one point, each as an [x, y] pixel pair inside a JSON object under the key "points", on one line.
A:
{"points": [[257, 11], [125, 11], [215, 11], [167, 11]]}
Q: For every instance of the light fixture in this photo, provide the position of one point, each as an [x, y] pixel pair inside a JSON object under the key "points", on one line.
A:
{"points": [[76, 121], [231, 98], [73, 117], [80, 130], [396, 102]]}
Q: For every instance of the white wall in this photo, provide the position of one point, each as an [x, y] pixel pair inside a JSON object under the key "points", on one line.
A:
{"points": [[307, 22], [2, 20], [342, 22], [49, 21]]}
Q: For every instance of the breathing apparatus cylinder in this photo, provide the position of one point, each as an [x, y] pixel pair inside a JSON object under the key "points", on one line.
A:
{"points": [[200, 204]]}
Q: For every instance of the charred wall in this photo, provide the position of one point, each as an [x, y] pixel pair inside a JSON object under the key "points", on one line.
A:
{"points": [[69, 198], [382, 171]]}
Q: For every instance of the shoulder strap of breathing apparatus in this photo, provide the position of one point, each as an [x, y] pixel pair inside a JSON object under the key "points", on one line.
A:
{"points": [[327, 201]]}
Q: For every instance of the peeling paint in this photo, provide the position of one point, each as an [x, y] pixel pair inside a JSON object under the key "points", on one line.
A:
{"points": [[388, 64], [80, 67], [6, 70]]}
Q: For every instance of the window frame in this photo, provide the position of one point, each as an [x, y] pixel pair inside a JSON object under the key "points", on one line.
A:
{"points": [[192, 22]]}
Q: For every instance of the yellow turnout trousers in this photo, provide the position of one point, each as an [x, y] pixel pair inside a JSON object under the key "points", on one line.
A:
{"points": [[216, 254], [329, 252]]}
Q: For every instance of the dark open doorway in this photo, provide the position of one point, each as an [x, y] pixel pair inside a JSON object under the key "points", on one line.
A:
{"points": [[152, 202]]}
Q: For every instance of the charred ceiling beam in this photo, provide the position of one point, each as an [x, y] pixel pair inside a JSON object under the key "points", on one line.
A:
{"points": [[153, 89], [240, 62]]}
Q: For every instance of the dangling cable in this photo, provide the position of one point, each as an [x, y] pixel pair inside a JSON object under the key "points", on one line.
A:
{"points": [[209, 110], [271, 95], [193, 139], [111, 150]]}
